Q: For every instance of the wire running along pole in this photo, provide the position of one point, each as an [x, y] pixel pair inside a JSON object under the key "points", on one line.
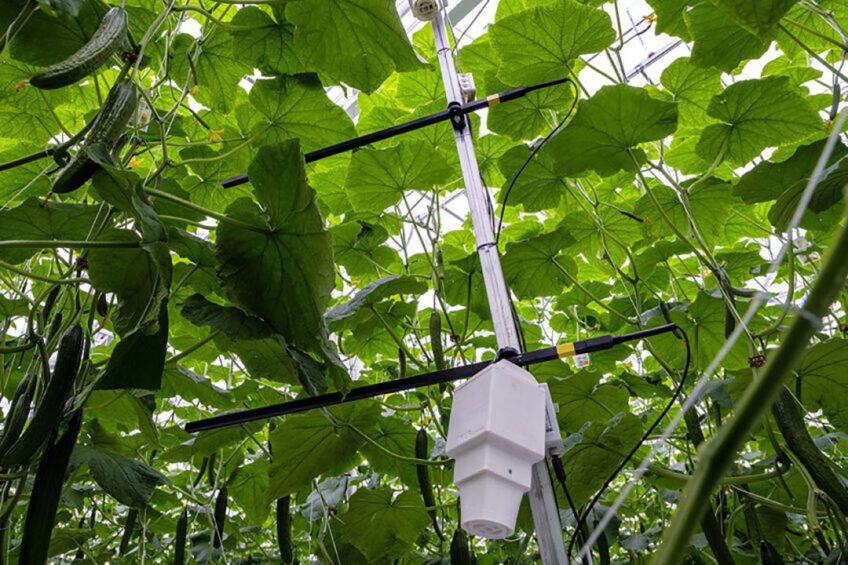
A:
{"points": [[696, 394]]}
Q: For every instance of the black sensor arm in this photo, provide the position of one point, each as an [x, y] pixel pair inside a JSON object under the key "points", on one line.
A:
{"points": [[560, 351], [455, 112]]}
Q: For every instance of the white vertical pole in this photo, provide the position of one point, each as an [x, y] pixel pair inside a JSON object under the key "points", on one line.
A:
{"points": [[542, 501]]}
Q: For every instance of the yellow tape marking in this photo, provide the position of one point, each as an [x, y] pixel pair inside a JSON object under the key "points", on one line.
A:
{"points": [[493, 100], [565, 350]]}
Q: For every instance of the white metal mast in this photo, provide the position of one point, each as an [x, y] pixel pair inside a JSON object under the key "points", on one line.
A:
{"points": [[542, 501]]}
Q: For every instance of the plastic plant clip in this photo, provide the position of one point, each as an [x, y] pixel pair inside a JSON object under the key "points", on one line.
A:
{"points": [[496, 434], [467, 86]]}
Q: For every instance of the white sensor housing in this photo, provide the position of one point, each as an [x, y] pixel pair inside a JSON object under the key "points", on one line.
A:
{"points": [[426, 10], [496, 434]]}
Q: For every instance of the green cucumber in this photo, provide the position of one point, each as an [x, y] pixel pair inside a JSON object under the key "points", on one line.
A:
{"points": [[284, 539], [92, 521], [110, 122], [52, 403], [103, 43], [46, 492], [201, 472], [180, 538], [129, 528], [210, 468], [50, 302], [75, 174], [436, 340], [220, 517], [18, 413], [769, 554], [460, 550], [422, 451], [55, 326], [102, 305]]}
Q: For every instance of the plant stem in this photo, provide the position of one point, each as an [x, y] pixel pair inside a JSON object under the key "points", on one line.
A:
{"points": [[17, 348], [42, 278], [197, 208], [193, 348], [392, 454], [18, 23], [812, 53], [26, 159], [720, 452], [835, 43], [397, 339], [573, 280], [63, 243]]}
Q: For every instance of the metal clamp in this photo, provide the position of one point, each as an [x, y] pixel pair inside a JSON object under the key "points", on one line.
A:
{"points": [[457, 116]]}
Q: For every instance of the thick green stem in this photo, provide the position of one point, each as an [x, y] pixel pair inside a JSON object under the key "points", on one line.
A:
{"points": [[26, 159], [811, 52], [223, 218], [397, 339], [185, 353], [61, 244], [573, 280], [42, 278], [719, 453]]}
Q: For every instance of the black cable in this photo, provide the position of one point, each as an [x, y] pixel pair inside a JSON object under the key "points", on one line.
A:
{"points": [[535, 151], [559, 472], [582, 521]]}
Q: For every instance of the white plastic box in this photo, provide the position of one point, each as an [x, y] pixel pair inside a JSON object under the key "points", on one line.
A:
{"points": [[496, 434]]}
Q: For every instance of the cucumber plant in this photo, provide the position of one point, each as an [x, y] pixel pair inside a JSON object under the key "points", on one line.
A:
{"points": [[692, 172]]}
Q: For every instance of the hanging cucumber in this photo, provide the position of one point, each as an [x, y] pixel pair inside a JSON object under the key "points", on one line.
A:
{"points": [[79, 556], [50, 302], [460, 550], [180, 538], [422, 451], [105, 41], [46, 492], [436, 340], [769, 554], [284, 539], [110, 122], [210, 468], [129, 528], [102, 305], [220, 517], [52, 403], [201, 472], [401, 364], [18, 413]]}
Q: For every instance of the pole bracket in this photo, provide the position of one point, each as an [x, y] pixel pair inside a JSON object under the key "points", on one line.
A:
{"points": [[506, 353], [457, 116]]}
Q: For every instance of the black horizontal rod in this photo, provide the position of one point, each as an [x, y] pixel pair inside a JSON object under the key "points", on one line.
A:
{"points": [[359, 393], [418, 381], [413, 125]]}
